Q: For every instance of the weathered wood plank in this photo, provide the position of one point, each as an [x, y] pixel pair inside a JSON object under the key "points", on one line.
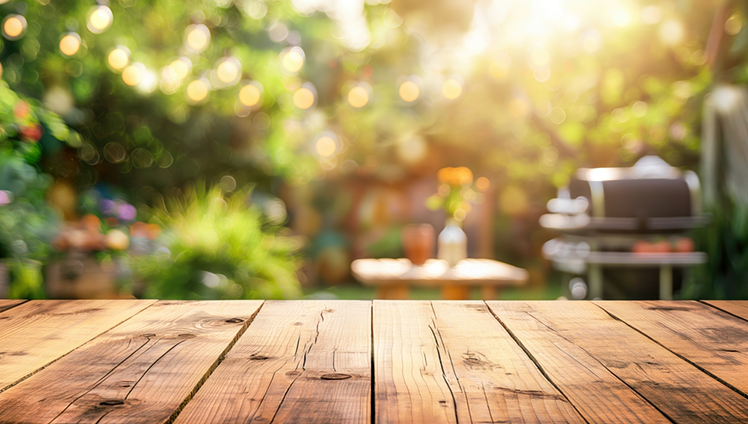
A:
{"points": [[595, 392], [713, 340], [138, 372], [6, 304], [38, 332], [299, 362], [449, 362], [678, 389], [739, 308]]}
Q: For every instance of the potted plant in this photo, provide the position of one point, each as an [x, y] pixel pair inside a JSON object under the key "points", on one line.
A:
{"points": [[455, 193]]}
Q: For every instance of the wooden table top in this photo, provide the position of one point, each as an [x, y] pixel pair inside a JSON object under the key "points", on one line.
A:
{"points": [[145, 361], [435, 272]]}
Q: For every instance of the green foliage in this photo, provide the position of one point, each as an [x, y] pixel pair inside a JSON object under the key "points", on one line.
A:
{"points": [[725, 240], [217, 247], [27, 222]]}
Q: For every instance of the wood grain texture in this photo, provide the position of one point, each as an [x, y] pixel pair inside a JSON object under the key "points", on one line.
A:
{"points": [[40, 331], [139, 372], [713, 340], [678, 389], [6, 304], [299, 362], [595, 392], [739, 308], [450, 362]]}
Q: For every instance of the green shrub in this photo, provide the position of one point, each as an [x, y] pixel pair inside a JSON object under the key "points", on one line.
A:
{"points": [[216, 247]]}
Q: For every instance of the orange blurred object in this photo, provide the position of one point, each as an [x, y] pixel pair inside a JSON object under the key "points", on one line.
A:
{"points": [[684, 245], [153, 231], [455, 176], [418, 242], [644, 247], [91, 223]]}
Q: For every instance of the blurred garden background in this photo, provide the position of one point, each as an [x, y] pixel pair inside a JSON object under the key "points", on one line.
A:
{"points": [[253, 149]]}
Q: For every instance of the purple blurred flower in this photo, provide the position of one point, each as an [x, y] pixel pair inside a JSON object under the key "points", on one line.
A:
{"points": [[126, 212], [4, 197], [107, 206]]}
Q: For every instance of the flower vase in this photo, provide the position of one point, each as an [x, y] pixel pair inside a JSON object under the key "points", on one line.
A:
{"points": [[452, 243]]}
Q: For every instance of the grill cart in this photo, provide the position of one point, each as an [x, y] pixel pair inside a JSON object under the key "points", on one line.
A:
{"points": [[624, 228]]}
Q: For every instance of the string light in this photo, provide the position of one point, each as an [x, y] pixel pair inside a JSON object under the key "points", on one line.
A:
{"points": [[169, 80], [14, 26], [451, 89], [198, 37], [133, 74], [181, 67], [358, 97], [99, 19], [250, 94], [304, 97], [326, 146], [197, 90], [148, 82], [70, 44], [119, 58], [292, 59], [229, 70], [409, 91]]}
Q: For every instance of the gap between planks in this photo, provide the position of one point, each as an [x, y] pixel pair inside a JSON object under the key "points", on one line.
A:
{"points": [[561, 388], [587, 330], [535, 361], [180, 317], [12, 309], [6, 304], [736, 308], [215, 365], [676, 352]]}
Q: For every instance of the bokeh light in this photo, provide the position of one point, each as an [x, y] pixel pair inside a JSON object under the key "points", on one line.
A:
{"points": [[133, 74], [672, 32], [118, 58], [499, 68], [733, 25], [197, 90], [409, 91], [170, 81], [70, 43], [621, 17], [99, 19], [451, 88], [14, 26], [148, 82], [292, 59], [229, 70], [358, 97], [325, 146], [197, 37], [181, 67], [250, 93], [304, 97]]}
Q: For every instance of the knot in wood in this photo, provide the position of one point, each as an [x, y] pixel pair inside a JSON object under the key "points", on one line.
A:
{"points": [[112, 402], [234, 320], [335, 376]]}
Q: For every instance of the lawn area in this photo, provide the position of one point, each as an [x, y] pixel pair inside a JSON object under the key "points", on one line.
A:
{"points": [[355, 291]]}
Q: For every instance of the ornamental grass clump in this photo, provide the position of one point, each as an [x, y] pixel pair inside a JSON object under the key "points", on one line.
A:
{"points": [[219, 247]]}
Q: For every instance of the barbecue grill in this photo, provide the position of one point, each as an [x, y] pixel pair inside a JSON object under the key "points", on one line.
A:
{"points": [[605, 212]]}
